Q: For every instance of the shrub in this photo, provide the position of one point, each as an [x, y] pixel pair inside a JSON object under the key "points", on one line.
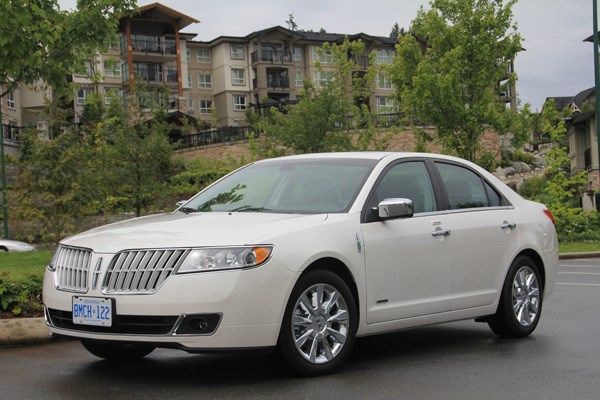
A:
{"points": [[22, 297]]}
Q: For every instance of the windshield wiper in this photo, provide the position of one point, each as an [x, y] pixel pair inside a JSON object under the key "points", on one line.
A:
{"points": [[250, 209], [187, 210]]}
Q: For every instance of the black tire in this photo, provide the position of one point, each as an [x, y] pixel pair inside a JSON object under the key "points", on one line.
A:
{"points": [[520, 304], [116, 351], [319, 340]]}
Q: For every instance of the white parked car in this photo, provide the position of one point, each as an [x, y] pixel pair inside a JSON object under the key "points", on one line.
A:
{"points": [[15, 245], [305, 253]]}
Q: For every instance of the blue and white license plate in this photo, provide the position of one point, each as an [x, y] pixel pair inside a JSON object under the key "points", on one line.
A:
{"points": [[92, 311]]}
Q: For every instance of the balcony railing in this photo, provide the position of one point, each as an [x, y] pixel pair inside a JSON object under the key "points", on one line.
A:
{"points": [[268, 56], [154, 46], [278, 82]]}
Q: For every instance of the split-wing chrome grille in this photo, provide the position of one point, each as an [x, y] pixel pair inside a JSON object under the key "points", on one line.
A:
{"points": [[140, 271], [71, 267]]}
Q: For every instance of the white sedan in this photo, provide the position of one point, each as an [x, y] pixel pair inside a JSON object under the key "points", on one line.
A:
{"points": [[15, 245], [304, 253]]}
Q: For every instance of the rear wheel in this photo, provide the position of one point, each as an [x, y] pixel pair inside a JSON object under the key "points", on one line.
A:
{"points": [[520, 302], [115, 351], [319, 325]]}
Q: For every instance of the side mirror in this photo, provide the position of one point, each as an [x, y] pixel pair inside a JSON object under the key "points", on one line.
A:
{"points": [[395, 208], [181, 202]]}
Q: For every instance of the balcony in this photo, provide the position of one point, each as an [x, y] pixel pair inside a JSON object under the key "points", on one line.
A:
{"points": [[272, 55], [150, 46]]}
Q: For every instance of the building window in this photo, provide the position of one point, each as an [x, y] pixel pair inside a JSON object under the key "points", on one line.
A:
{"points": [[385, 105], [239, 103], [10, 100], [204, 81], [111, 68], [320, 78], [86, 69], [203, 56], [323, 58], [205, 106], [110, 93], [383, 82], [189, 80], [236, 51], [298, 54], [238, 77], [384, 56], [187, 55], [82, 94], [190, 105], [299, 79]]}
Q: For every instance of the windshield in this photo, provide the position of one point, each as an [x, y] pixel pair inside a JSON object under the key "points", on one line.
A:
{"points": [[309, 186]]}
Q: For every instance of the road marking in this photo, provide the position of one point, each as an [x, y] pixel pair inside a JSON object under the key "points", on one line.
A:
{"points": [[579, 284], [579, 273]]}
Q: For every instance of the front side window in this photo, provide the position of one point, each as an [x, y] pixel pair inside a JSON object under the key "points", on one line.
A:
{"points": [[385, 105], [321, 78], [465, 188], [238, 77], [236, 51], [407, 180], [299, 79], [239, 103], [297, 54], [320, 55], [383, 82]]}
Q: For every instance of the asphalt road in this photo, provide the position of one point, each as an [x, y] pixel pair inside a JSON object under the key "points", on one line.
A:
{"points": [[462, 360]]}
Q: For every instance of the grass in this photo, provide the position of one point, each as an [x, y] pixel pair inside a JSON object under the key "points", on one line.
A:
{"points": [[18, 266], [577, 247]]}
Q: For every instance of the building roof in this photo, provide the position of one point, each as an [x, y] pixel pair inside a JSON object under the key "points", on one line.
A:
{"points": [[161, 13], [560, 102], [319, 37], [583, 96]]}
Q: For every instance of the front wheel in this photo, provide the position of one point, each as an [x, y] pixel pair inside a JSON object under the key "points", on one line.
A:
{"points": [[115, 351], [520, 302], [319, 325]]}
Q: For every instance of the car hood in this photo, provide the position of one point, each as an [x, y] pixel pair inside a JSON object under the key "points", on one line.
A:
{"points": [[190, 230]]}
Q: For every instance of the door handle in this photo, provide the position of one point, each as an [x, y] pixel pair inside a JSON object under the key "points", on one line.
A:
{"points": [[440, 232], [507, 225]]}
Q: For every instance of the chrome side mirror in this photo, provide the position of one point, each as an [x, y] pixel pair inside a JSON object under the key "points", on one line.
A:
{"points": [[395, 208]]}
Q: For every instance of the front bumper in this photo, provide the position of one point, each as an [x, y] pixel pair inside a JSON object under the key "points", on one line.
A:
{"points": [[242, 309]]}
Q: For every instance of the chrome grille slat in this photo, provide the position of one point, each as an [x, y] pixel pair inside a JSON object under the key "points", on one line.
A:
{"points": [[72, 267], [140, 271]]}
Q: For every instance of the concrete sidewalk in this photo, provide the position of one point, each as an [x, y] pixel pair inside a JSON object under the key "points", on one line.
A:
{"points": [[16, 331]]}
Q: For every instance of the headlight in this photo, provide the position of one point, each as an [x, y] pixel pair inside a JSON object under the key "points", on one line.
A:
{"points": [[224, 258]]}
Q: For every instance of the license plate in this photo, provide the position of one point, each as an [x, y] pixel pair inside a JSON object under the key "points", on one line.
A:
{"points": [[92, 311]]}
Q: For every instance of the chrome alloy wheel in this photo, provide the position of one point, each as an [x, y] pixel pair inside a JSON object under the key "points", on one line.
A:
{"points": [[320, 323], [525, 296]]}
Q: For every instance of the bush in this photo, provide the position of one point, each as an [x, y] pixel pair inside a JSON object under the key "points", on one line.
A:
{"points": [[487, 161], [22, 297]]}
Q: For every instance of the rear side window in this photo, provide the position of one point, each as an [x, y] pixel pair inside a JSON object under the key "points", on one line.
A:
{"points": [[466, 189]]}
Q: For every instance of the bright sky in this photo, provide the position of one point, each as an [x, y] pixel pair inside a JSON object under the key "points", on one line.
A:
{"points": [[556, 62]]}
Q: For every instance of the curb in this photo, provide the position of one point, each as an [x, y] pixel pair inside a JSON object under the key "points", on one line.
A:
{"points": [[14, 331], [18, 331]]}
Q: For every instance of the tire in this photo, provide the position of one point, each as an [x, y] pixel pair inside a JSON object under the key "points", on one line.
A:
{"points": [[520, 304], [116, 351], [319, 325]]}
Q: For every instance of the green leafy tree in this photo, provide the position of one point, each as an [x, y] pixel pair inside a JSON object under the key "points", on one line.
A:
{"points": [[41, 42], [561, 186], [448, 68], [326, 111]]}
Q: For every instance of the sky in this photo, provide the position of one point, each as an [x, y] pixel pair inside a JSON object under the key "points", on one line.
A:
{"points": [[556, 61]]}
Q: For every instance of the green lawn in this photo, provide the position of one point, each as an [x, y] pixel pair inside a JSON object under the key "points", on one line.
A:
{"points": [[577, 247], [21, 265]]}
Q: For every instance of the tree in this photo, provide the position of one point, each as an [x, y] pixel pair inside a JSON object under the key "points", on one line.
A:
{"points": [[325, 112], [448, 68], [40, 42], [395, 31], [292, 25]]}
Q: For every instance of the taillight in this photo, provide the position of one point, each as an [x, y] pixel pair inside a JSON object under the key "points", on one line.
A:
{"points": [[549, 215]]}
